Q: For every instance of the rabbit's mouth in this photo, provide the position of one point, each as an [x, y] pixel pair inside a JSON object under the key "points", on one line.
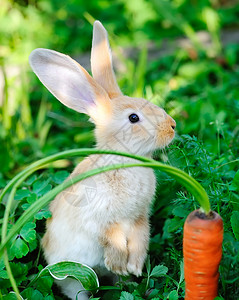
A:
{"points": [[165, 136], [165, 132]]}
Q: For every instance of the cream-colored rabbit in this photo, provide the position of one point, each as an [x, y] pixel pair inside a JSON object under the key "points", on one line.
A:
{"points": [[103, 221]]}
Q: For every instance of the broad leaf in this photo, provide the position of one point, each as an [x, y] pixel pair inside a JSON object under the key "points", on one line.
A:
{"points": [[21, 194], [235, 183], [33, 245], [153, 294], [158, 271], [64, 269], [30, 180], [49, 297], [180, 211], [173, 295], [19, 248], [44, 284], [235, 201], [41, 187], [32, 198], [44, 213], [181, 272], [33, 294], [11, 296], [28, 232], [19, 271], [148, 265], [60, 176], [235, 224], [3, 272], [126, 296]]}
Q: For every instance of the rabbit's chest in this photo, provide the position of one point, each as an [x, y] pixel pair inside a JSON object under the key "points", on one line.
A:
{"points": [[125, 192], [113, 195], [135, 183]]}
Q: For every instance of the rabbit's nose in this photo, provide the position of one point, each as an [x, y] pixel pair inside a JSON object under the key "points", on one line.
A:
{"points": [[173, 123]]}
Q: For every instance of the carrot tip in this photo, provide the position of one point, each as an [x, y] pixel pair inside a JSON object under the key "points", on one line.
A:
{"points": [[202, 215]]}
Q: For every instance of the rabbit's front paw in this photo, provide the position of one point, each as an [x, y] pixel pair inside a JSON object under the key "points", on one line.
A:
{"points": [[135, 264], [116, 260]]}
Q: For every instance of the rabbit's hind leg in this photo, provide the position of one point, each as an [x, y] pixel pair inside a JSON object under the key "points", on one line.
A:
{"points": [[114, 243], [138, 242]]}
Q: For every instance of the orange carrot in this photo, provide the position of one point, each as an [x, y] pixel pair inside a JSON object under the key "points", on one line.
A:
{"points": [[202, 251]]}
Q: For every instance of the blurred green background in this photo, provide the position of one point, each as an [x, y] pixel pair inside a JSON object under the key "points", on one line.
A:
{"points": [[182, 55]]}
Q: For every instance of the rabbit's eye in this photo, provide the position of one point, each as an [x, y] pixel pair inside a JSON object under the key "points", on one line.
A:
{"points": [[133, 118]]}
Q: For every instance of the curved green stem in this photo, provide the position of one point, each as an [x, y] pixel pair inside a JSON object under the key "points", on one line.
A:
{"points": [[69, 153], [10, 275], [191, 184], [4, 232]]}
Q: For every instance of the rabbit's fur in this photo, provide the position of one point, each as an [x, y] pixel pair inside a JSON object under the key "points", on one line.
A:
{"points": [[102, 221]]}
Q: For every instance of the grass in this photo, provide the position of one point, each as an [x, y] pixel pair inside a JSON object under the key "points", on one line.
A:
{"points": [[198, 87]]}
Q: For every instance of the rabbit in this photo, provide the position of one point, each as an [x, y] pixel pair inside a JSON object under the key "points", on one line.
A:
{"points": [[102, 221]]}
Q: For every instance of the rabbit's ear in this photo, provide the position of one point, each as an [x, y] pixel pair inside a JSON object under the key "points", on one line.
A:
{"points": [[101, 61], [69, 82]]}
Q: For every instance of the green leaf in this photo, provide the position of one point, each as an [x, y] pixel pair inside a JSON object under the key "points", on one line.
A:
{"points": [[44, 213], [211, 18], [131, 286], [21, 194], [2, 265], [25, 206], [49, 297], [33, 245], [148, 265], [64, 269], [181, 272], [180, 211], [159, 271], [60, 176], [235, 224], [2, 181], [3, 274], [44, 284], [19, 248], [235, 183], [153, 294], [31, 179], [11, 296], [126, 296], [36, 295], [28, 233], [173, 295], [32, 198], [19, 271], [235, 201], [41, 187], [174, 224]]}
